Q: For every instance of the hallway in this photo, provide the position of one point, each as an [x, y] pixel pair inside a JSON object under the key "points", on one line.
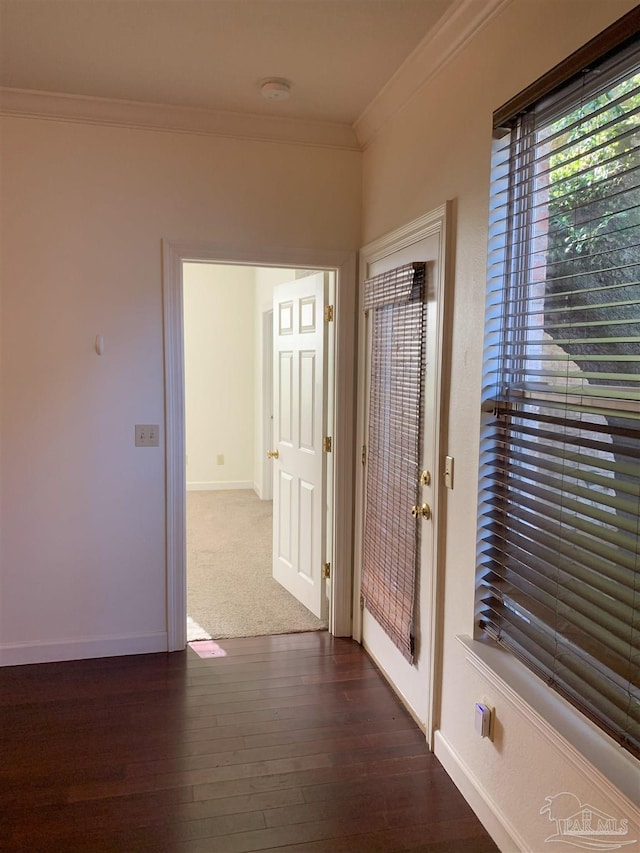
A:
{"points": [[293, 743]]}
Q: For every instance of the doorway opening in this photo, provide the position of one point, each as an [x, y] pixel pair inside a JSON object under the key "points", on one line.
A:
{"points": [[337, 514], [239, 583]]}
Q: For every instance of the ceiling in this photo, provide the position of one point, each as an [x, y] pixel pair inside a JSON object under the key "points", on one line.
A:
{"points": [[212, 54]]}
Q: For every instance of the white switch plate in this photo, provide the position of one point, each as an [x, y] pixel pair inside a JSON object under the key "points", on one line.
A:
{"points": [[147, 435], [483, 719], [448, 471]]}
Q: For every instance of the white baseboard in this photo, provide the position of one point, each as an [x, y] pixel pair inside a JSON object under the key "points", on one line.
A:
{"points": [[261, 492], [14, 654], [221, 485], [592, 753], [488, 812]]}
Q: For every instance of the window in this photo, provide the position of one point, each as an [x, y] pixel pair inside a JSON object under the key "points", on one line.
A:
{"points": [[558, 579]]}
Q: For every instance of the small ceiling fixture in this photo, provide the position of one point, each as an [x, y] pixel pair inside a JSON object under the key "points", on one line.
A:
{"points": [[275, 89]]}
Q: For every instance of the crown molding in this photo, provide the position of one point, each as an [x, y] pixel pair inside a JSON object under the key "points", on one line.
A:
{"points": [[27, 103], [437, 48]]}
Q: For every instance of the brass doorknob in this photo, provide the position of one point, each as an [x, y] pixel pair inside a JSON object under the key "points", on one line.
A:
{"points": [[423, 511], [273, 454]]}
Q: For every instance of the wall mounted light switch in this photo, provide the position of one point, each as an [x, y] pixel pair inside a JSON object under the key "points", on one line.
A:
{"points": [[448, 471], [147, 435]]}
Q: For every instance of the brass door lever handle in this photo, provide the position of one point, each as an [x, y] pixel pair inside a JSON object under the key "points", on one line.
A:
{"points": [[273, 454]]}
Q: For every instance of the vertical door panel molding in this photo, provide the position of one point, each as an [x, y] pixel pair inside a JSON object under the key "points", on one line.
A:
{"points": [[285, 314], [285, 399], [307, 315], [306, 508], [308, 401], [283, 521]]}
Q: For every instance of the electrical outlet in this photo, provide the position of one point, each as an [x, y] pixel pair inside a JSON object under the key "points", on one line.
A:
{"points": [[484, 719], [147, 435], [220, 459]]}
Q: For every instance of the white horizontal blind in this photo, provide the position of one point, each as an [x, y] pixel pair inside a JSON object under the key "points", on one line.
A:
{"points": [[559, 526]]}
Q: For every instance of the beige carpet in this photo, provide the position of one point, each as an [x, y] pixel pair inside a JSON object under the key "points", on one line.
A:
{"points": [[230, 590]]}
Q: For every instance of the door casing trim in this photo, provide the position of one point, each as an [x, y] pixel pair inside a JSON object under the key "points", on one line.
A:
{"points": [[437, 222], [174, 254]]}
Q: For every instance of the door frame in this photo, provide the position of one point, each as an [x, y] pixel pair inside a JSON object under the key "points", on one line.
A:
{"points": [[436, 223], [174, 255]]}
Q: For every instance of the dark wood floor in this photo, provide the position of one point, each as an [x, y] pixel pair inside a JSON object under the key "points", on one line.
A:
{"points": [[293, 743]]}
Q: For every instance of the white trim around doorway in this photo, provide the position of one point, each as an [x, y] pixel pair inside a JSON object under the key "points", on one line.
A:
{"points": [[174, 255]]}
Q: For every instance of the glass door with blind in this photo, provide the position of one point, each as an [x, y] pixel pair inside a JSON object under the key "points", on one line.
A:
{"points": [[400, 499]]}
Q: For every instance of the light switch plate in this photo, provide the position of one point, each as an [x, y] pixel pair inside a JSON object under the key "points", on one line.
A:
{"points": [[483, 719], [147, 435], [448, 471]]}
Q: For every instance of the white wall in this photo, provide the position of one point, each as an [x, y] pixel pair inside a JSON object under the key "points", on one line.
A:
{"points": [[84, 210], [220, 353], [435, 149]]}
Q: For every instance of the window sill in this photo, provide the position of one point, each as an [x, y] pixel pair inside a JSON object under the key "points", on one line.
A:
{"points": [[576, 737]]}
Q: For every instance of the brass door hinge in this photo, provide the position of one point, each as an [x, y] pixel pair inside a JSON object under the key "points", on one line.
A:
{"points": [[326, 570], [327, 444], [328, 313], [363, 458]]}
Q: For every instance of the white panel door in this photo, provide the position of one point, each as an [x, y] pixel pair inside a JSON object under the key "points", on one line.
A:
{"points": [[412, 681], [299, 469]]}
